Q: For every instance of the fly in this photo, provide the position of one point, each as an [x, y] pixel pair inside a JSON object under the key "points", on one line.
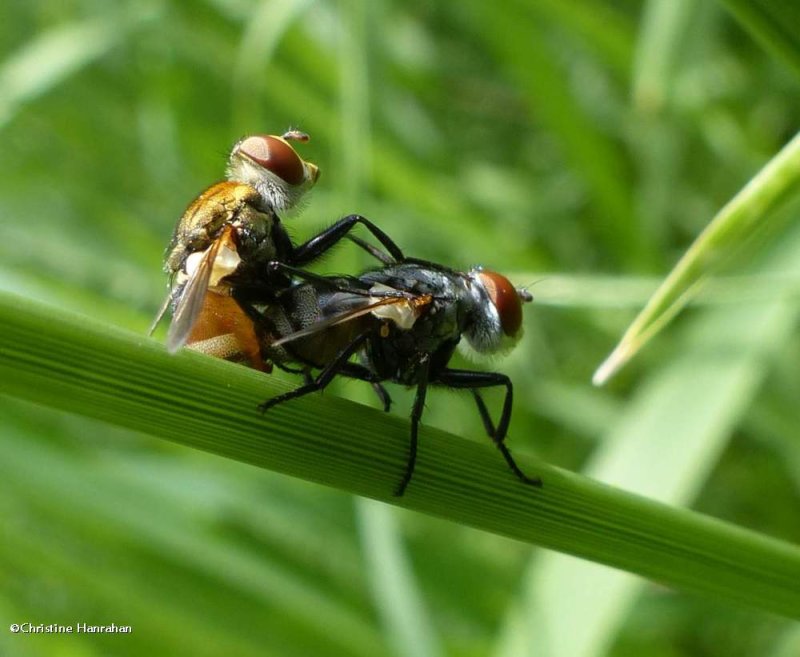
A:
{"points": [[219, 253], [403, 322]]}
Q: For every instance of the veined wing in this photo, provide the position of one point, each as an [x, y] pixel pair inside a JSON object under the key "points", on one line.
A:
{"points": [[160, 313], [191, 301], [401, 310]]}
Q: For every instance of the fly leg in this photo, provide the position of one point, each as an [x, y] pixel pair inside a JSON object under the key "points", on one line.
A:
{"points": [[307, 378], [322, 380], [373, 251], [383, 396], [362, 373], [476, 380], [337, 283], [416, 416], [316, 246]]}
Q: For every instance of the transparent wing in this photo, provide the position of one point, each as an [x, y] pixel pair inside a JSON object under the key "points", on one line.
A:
{"points": [[191, 301], [370, 306], [160, 313]]}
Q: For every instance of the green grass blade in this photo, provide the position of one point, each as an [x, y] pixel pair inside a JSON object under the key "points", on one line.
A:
{"points": [[545, 83], [53, 56], [395, 589], [596, 291], [74, 364], [263, 31], [150, 520], [773, 23], [751, 209], [788, 645], [663, 27]]}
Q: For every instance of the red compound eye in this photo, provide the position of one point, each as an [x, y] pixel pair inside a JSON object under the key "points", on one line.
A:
{"points": [[506, 299], [275, 155]]}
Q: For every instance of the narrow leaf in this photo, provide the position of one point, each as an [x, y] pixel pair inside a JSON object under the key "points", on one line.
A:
{"points": [[773, 23], [751, 209], [74, 364]]}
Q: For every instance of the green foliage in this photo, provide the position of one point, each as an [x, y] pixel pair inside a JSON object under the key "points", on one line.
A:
{"points": [[592, 140]]}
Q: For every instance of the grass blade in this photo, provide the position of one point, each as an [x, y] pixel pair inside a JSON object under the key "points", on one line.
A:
{"points": [[663, 27], [545, 84], [50, 58], [395, 589], [74, 364], [751, 209], [772, 23]]}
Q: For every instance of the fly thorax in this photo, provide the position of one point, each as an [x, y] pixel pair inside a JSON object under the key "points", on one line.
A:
{"points": [[254, 240]]}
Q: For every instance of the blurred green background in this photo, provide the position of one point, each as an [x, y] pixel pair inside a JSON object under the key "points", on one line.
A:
{"points": [[578, 146]]}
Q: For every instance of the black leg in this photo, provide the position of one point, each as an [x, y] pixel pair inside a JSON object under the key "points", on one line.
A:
{"points": [[416, 416], [473, 381], [316, 246], [294, 370], [322, 380], [484, 413], [358, 371], [373, 251], [383, 396], [338, 283]]}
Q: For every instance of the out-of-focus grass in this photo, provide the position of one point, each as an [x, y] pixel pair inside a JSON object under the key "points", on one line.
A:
{"points": [[518, 138]]}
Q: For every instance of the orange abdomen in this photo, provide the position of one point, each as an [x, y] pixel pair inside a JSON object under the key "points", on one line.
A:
{"points": [[224, 330]]}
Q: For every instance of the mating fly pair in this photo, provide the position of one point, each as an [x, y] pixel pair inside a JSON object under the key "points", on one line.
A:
{"points": [[235, 294]]}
